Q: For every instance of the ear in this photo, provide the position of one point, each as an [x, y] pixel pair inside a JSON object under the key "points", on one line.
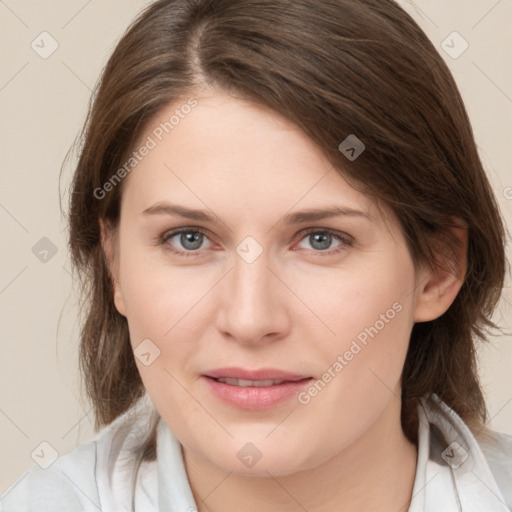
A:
{"points": [[108, 242], [438, 288]]}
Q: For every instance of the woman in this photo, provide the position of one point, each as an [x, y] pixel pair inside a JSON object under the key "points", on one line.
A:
{"points": [[284, 232]]}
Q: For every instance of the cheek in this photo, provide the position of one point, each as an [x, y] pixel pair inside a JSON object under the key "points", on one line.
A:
{"points": [[159, 297], [363, 303], [167, 306], [370, 316]]}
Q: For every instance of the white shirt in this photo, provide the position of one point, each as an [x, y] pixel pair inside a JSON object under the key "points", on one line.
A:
{"points": [[454, 473]]}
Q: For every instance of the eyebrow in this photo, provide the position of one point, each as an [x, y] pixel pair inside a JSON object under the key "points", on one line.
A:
{"points": [[311, 215]]}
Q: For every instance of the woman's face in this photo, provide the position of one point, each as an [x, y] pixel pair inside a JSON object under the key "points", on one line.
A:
{"points": [[256, 283]]}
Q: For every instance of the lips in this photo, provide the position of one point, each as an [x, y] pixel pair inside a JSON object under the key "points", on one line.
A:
{"points": [[254, 389]]}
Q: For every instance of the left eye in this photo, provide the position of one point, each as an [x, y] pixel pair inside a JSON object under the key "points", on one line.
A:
{"points": [[321, 240]]}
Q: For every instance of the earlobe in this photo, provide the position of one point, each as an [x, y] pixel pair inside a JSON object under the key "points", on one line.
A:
{"points": [[438, 288], [107, 243], [119, 300]]}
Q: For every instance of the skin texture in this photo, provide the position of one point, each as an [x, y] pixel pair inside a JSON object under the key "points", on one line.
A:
{"points": [[293, 308]]}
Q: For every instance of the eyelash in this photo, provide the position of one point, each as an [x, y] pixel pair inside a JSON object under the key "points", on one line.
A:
{"points": [[344, 238]]}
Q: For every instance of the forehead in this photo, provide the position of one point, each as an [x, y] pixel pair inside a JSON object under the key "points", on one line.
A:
{"points": [[238, 154]]}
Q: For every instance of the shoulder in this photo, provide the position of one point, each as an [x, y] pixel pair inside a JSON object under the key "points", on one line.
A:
{"points": [[497, 448], [68, 482], [74, 482], [488, 453]]}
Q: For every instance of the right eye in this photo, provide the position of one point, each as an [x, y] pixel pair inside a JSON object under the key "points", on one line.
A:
{"points": [[190, 239]]}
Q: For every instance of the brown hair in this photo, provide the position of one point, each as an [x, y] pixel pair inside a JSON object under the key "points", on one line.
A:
{"points": [[334, 68]]}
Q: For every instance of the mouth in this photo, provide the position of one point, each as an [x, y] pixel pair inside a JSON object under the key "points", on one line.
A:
{"points": [[254, 389], [262, 375], [250, 383]]}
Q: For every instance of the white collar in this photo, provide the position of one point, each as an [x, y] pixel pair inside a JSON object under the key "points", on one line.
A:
{"points": [[463, 484], [452, 472]]}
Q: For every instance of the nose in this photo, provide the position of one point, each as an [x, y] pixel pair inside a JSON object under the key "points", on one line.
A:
{"points": [[253, 304]]}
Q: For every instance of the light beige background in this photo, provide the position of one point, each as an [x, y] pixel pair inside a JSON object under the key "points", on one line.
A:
{"points": [[43, 104]]}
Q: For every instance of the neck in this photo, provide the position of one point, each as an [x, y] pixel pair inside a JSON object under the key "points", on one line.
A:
{"points": [[376, 472]]}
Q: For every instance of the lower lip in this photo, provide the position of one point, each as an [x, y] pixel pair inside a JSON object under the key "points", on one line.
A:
{"points": [[254, 398]]}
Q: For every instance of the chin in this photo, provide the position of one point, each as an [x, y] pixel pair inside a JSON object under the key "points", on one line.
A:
{"points": [[248, 460]]}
